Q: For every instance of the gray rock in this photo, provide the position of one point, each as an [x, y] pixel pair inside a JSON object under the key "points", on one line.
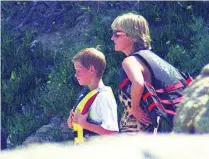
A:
{"points": [[56, 131], [193, 112]]}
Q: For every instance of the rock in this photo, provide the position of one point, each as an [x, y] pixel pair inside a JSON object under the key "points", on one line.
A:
{"points": [[193, 112], [56, 131], [126, 146]]}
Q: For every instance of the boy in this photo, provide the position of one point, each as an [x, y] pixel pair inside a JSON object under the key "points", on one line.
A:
{"points": [[101, 118]]}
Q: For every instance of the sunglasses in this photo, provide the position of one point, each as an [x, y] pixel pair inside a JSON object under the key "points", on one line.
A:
{"points": [[117, 33]]}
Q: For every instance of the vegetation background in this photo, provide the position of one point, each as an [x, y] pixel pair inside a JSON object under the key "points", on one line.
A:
{"points": [[39, 39]]}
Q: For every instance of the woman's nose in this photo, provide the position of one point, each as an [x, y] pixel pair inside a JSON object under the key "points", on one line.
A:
{"points": [[113, 37]]}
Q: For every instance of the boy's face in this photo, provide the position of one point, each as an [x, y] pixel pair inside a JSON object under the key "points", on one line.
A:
{"points": [[82, 74]]}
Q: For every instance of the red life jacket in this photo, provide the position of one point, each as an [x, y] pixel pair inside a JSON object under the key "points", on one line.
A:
{"points": [[160, 98]]}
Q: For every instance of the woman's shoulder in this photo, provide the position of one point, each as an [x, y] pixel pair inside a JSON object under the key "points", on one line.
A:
{"points": [[133, 63], [130, 60]]}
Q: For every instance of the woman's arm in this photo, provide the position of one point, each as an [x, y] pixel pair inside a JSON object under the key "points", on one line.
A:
{"points": [[134, 70]]}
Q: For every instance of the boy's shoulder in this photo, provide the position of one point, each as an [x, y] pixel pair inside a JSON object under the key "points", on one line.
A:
{"points": [[105, 91]]}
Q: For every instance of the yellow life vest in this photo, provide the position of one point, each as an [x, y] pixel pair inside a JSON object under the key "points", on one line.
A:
{"points": [[83, 107]]}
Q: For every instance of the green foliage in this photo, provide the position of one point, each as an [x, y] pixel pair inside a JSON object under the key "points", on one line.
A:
{"points": [[21, 126], [192, 59], [168, 24], [62, 89], [24, 69]]}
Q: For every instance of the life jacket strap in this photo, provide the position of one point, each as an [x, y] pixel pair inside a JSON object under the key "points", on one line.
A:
{"points": [[88, 104], [83, 107], [168, 89], [155, 104], [175, 86], [174, 101], [148, 94], [123, 83]]}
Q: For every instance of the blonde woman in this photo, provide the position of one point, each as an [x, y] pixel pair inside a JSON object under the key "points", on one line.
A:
{"points": [[140, 68]]}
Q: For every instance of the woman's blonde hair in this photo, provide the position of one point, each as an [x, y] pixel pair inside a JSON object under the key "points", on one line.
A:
{"points": [[92, 57], [135, 26]]}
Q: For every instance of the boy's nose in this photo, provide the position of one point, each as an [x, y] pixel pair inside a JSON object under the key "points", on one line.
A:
{"points": [[113, 37]]}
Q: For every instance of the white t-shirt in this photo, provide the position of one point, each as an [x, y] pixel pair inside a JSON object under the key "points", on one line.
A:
{"points": [[104, 109]]}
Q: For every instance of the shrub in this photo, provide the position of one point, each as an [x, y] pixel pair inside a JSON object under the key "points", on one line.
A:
{"points": [[25, 67], [192, 59]]}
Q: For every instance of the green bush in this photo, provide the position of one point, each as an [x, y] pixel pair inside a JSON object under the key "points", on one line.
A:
{"points": [[21, 126], [62, 88], [193, 58], [25, 66]]}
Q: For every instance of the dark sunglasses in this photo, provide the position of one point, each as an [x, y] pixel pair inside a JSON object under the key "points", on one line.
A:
{"points": [[117, 33]]}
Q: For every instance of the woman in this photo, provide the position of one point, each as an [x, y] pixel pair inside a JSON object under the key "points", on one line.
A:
{"points": [[131, 36]]}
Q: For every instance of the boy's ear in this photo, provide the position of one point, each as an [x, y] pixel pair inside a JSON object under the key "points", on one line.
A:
{"points": [[92, 69]]}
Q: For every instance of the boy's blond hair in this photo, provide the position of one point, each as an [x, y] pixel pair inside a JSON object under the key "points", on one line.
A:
{"points": [[135, 26], [92, 57]]}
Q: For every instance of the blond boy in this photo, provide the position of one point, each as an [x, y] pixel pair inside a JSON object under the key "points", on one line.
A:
{"points": [[89, 65]]}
